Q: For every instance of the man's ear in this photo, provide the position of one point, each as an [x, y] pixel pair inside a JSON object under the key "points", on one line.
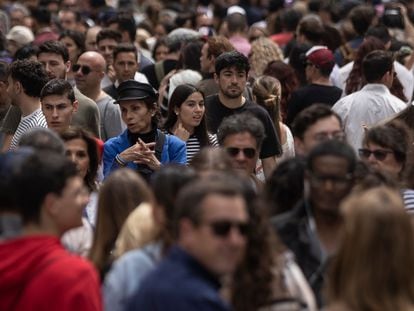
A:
{"points": [[75, 105], [185, 231], [50, 208], [299, 146], [67, 65], [18, 87], [216, 77]]}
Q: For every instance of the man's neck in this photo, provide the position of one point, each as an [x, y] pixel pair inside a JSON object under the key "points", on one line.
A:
{"points": [[35, 229], [231, 103], [28, 105], [322, 81], [94, 94]]}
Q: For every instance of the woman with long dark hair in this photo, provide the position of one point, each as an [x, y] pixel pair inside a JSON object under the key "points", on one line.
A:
{"points": [[186, 119]]}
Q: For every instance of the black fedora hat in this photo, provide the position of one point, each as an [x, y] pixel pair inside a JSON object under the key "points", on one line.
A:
{"points": [[131, 89]]}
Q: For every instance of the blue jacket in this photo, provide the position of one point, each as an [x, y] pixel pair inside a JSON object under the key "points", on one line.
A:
{"points": [[178, 283], [174, 151]]}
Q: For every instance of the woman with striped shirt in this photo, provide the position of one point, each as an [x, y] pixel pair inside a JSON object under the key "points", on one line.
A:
{"points": [[186, 119]]}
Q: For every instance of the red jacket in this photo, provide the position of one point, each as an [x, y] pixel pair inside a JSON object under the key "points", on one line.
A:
{"points": [[37, 273]]}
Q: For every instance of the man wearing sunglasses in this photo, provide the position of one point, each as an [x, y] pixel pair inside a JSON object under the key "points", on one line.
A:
{"points": [[312, 229], [89, 71], [242, 136], [211, 223]]}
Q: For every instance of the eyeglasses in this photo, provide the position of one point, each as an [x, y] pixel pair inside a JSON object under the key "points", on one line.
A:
{"points": [[338, 181], [323, 136], [222, 228], [84, 69], [379, 154], [248, 152]]}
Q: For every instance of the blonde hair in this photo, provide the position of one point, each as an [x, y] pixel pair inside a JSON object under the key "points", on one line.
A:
{"points": [[263, 51], [371, 269], [268, 93]]}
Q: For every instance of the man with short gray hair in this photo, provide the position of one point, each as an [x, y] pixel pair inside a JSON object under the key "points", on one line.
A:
{"points": [[242, 136]]}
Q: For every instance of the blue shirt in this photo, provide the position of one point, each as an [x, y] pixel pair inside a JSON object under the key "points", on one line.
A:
{"points": [[174, 151], [178, 283]]}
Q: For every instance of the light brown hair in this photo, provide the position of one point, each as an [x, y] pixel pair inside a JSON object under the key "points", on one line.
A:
{"points": [[370, 271]]}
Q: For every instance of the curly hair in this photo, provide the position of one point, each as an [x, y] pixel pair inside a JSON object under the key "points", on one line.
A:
{"points": [[262, 52], [31, 75], [259, 277]]}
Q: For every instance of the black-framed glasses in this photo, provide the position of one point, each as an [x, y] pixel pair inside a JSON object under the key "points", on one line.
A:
{"points": [[248, 152], [378, 154], [84, 69], [222, 228]]}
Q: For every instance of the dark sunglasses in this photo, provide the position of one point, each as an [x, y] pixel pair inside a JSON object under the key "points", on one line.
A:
{"points": [[248, 152], [380, 155], [84, 69], [222, 228]]}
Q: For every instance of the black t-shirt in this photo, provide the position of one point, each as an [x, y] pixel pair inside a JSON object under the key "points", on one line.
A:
{"points": [[216, 112], [311, 94]]}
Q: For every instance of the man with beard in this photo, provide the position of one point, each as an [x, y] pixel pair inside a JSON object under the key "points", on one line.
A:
{"points": [[54, 57], [231, 75]]}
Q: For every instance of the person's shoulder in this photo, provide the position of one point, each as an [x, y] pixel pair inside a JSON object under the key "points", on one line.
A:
{"points": [[83, 99], [212, 99], [120, 139], [289, 218], [174, 140]]}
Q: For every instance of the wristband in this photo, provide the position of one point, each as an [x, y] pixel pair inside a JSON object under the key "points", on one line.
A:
{"points": [[120, 161]]}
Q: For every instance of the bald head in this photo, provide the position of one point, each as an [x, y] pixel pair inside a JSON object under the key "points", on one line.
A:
{"points": [[95, 60], [90, 73]]}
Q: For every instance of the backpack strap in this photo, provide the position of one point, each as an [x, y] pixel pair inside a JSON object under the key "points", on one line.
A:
{"points": [[159, 145], [159, 71]]}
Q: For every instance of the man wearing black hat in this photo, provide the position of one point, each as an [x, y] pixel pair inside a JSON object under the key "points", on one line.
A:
{"points": [[142, 147]]}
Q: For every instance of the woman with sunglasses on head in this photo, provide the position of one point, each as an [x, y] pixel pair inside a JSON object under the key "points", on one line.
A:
{"points": [[186, 119], [142, 146], [388, 148]]}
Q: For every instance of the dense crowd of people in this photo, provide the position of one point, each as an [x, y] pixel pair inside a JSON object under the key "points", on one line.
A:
{"points": [[206, 155]]}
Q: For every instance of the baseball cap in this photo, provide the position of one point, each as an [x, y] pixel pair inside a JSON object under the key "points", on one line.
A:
{"points": [[131, 89], [21, 34], [320, 56], [236, 9]]}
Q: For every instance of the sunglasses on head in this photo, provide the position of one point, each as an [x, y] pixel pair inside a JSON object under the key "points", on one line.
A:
{"points": [[248, 152], [380, 155], [222, 228], [84, 69]]}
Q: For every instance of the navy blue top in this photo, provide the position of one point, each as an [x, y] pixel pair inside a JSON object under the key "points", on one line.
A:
{"points": [[178, 283]]}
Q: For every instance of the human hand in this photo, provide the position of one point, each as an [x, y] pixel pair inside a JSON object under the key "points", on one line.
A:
{"points": [[181, 132], [136, 151], [147, 155]]}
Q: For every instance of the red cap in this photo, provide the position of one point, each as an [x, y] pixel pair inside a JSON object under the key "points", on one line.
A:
{"points": [[321, 57]]}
